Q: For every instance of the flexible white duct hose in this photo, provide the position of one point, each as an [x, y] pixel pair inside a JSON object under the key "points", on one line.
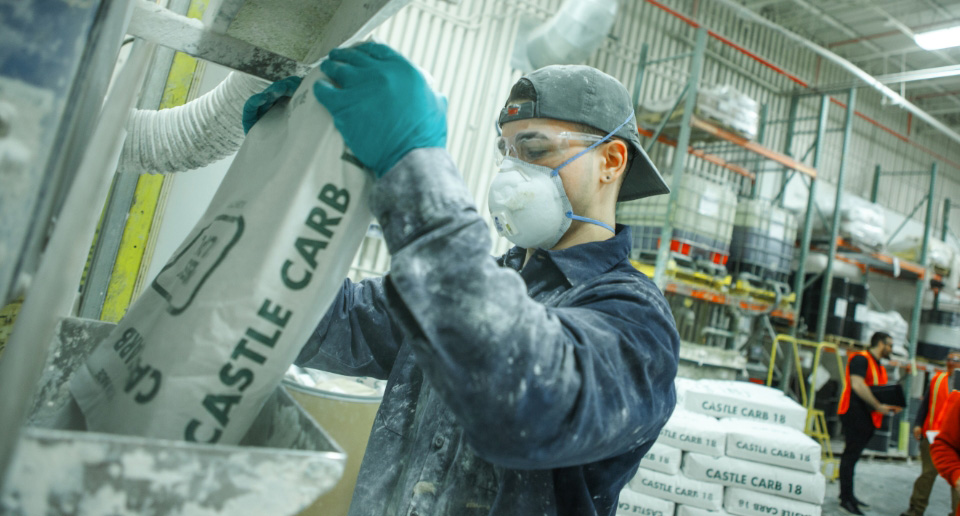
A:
{"points": [[192, 135]]}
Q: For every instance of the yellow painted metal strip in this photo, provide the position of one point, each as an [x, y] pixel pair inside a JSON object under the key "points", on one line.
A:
{"points": [[8, 315], [133, 243]]}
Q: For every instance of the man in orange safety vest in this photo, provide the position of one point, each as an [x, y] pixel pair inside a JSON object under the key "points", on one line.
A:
{"points": [[928, 420], [860, 412]]}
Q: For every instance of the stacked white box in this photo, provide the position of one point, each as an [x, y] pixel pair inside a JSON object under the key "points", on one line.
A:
{"points": [[759, 458]]}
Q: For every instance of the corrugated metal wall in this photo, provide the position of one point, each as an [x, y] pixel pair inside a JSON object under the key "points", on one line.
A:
{"points": [[466, 45]]}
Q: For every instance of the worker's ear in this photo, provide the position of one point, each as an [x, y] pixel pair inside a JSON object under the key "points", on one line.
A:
{"points": [[613, 163]]}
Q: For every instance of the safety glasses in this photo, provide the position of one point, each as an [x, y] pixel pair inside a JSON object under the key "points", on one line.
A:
{"points": [[541, 147]]}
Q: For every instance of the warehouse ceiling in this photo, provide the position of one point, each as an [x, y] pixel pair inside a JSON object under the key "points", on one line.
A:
{"points": [[877, 36]]}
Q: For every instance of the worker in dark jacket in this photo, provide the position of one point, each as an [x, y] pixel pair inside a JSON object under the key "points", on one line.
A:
{"points": [[928, 420], [528, 385]]}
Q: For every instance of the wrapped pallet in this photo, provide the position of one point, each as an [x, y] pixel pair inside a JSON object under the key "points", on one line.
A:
{"points": [[722, 105]]}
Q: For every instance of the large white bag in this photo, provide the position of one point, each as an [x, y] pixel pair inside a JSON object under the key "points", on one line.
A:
{"points": [[744, 502], [635, 504], [744, 400], [772, 444], [199, 352], [679, 489], [789, 483], [662, 458], [689, 431]]}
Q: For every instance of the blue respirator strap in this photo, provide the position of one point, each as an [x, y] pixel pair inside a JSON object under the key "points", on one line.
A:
{"points": [[570, 215], [606, 138]]}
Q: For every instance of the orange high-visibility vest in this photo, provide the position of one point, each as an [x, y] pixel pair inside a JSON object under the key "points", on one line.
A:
{"points": [[939, 391], [876, 375]]}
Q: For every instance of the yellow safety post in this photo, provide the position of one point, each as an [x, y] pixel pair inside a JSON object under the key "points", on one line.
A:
{"points": [[816, 424], [146, 199]]}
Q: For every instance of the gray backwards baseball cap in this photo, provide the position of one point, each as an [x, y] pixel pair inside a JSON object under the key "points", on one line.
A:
{"points": [[585, 95]]}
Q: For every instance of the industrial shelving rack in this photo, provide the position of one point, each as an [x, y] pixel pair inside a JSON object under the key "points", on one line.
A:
{"points": [[748, 300], [756, 302]]}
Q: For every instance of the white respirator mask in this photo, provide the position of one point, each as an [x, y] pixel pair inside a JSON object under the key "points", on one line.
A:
{"points": [[527, 202]]}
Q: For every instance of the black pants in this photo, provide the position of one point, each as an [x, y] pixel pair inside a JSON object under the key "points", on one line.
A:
{"points": [[857, 431]]}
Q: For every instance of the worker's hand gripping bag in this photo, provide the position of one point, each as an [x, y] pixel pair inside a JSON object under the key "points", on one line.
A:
{"points": [[201, 350]]}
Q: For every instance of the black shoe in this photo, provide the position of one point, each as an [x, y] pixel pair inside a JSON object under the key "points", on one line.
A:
{"points": [[850, 507], [867, 506]]}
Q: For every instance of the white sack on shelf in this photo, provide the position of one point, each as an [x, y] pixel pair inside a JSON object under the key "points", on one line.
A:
{"points": [[745, 400], [689, 510], [662, 458], [863, 234], [772, 444], [789, 483], [939, 252], [888, 322], [633, 503], [855, 209], [694, 432], [679, 489], [743, 502], [861, 221]]}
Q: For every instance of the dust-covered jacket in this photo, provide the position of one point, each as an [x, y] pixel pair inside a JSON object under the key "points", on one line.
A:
{"points": [[511, 391]]}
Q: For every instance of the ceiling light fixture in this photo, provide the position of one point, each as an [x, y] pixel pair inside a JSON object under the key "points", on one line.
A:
{"points": [[937, 39]]}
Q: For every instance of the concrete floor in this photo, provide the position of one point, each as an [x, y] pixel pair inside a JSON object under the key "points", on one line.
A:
{"points": [[886, 486]]}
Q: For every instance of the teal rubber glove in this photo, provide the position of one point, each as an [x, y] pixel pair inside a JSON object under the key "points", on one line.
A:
{"points": [[381, 105], [258, 105]]}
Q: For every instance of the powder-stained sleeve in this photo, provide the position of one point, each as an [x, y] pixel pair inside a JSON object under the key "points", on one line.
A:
{"points": [[534, 387], [357, 336]]}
